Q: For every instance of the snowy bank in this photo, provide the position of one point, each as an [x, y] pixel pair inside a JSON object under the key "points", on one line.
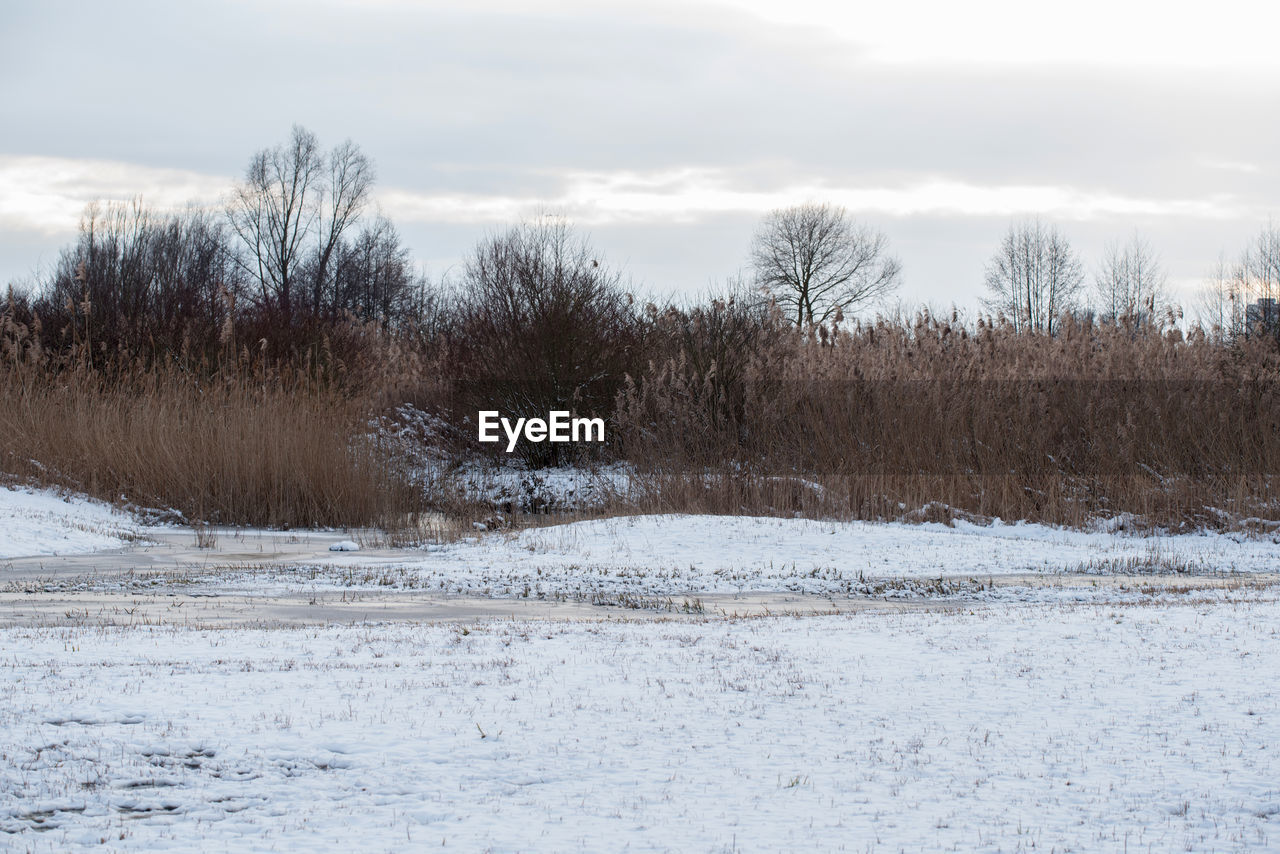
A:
{"points": [[43, 522], [645, 556]]}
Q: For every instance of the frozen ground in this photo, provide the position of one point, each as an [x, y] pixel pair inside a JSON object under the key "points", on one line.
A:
{"points": [[1001, 688], [663, 556], [44, 522], [1028, 728], [708, 564], [621, 559]]}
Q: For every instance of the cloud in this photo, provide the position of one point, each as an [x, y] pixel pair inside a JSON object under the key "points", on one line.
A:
{"points": [[1138, 34], [691, 195], [48, 194], [1233, 166]]}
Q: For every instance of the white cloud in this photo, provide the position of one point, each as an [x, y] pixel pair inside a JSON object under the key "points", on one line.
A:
{"points": [[1233, 166], [689, 195], [1138, 34], [48, 194]]}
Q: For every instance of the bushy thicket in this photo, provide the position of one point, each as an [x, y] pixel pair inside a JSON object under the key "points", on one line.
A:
{"points": [[140, 286], [540, 325]]}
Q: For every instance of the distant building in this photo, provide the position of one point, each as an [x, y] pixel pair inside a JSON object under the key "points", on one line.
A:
{"points": [[1265, 313]]}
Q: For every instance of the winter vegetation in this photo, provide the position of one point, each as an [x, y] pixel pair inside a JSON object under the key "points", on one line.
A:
{"points": [[280, 362], [587, 474]]}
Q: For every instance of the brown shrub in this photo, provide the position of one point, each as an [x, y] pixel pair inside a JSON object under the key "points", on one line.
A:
{"points": [[541, 326]]}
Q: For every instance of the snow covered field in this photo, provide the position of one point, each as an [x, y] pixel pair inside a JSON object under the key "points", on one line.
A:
{"points": [[43, 522], [1082, 729], [1139, 716], [663, 556], [629, 555]]}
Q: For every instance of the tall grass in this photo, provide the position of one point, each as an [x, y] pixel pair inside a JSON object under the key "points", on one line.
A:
{"points": [[249, 447], [884, 420], [723, 408]]}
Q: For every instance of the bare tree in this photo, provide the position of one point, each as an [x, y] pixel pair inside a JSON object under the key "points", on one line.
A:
{"points": [[291, 206], [141, 282], [1034, 277], [542, 324], [350, 180], [372, 275], [1217, 301], [819, 264], [273, 211], [1243, 298], [1261, 263], [1130, 283]]}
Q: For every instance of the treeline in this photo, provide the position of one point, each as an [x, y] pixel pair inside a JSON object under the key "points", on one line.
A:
{"points": [[299, 257], [295, 255]]}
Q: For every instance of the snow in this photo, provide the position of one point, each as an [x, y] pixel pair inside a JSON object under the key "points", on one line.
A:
{"points": [[43, 522], [419, 440], [724, 543], [548, 489], [625, 560], [345, 546], [675, 555], [1074, 717], [1083, 729]]}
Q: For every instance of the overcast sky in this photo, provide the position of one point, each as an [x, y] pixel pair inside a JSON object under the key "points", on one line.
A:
{"points": [[666, 129]]}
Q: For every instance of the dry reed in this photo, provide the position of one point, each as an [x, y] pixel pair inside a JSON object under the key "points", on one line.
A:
{"points": [[926, 419], [884, 420], [245, 447]]}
